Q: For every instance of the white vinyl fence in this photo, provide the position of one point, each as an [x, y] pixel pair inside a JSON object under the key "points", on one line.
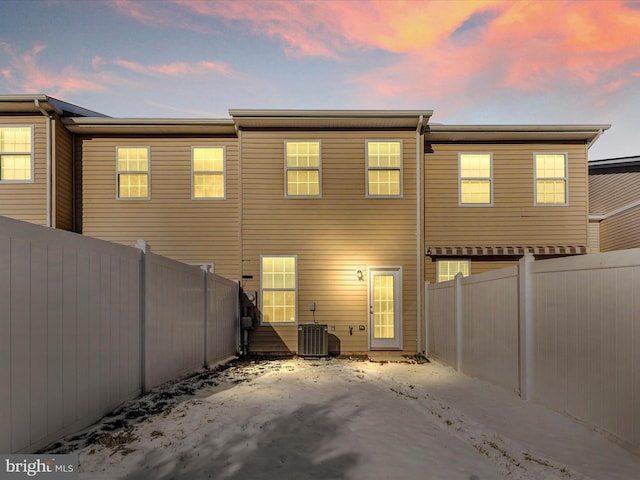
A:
{"points": [[86, 325], [222, 337], [563, 332]]}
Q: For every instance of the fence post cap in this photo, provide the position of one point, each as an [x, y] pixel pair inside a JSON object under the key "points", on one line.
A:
{"points": [[143, 245], [528, 257]]}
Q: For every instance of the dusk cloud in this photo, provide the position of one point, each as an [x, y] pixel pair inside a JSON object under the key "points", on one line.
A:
{"points": [[167, 69], [471, 61], [26, 74], [527, 46]]}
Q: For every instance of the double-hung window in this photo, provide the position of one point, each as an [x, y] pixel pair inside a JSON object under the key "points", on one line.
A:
{"points": [[475, 171], [303, 169], [448, 269], [133, 172], [551, 178], [279, 284], [209, 167], [16, 154], [384, 168]]}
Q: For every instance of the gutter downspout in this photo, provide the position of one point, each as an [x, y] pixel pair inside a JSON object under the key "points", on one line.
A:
{"points": [[241, 345], [49, 169], [419, 233]]}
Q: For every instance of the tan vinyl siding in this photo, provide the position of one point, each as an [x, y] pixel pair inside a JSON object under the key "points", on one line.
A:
{"points": [[621, 231], [174, 225], [612, 189], [77, 178], [513, 219], [62, 177], [594, 237], [333, 236], [28, 201]]}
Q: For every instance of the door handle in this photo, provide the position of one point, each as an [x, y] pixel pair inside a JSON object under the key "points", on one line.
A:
{"points": [[370, 309]]}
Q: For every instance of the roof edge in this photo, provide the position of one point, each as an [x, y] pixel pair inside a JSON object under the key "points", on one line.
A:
{"points": [[85, 125], [110, 121], [274, 113], [615, 162], [588, 133], [519, 128]]}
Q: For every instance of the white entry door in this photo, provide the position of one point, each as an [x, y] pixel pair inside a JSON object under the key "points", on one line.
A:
{"points": [[385, 308]]}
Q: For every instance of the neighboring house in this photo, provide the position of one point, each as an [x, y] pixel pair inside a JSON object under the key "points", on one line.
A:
{"points": [[614, 203], [331, 216], [36, 155]]}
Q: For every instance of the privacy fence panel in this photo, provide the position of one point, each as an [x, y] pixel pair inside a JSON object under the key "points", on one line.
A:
{"points": [[69, 332], [586, 340], [489, 329], [86, 325], [174, 319], [562, 332], [222, 319], [441, 326]]}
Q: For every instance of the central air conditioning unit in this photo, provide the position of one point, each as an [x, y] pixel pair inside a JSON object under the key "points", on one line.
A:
{"points": [[313, 340]]}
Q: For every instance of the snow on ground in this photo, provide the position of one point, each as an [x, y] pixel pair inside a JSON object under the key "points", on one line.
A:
{"points": [[343, 419]]}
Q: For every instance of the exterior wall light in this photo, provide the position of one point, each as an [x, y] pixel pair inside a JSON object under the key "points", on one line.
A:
{"points": [[360, 275]]}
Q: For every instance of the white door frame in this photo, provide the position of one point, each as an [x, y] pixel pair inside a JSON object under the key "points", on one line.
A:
{"points": [[394, 343]]}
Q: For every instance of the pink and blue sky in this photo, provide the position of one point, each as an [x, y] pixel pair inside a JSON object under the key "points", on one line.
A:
{"points": [[472, 62]]}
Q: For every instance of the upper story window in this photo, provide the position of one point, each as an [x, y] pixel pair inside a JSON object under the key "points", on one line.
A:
{"points": [[133, 172], [448, 269], [384, 168], [551, 178], [209, 172], [475, 178], [279, 284], [302, 169], [16, 154]]}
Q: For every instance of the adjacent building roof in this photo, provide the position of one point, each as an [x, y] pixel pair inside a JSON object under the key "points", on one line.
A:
{"points": [[620, 162]]}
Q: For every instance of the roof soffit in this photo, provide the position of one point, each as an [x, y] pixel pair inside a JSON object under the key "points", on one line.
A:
{"points": [[329, 119], [514, 133], [151, 126]]}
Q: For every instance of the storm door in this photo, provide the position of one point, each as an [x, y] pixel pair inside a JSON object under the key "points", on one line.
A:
{"points": [[385, 308]]}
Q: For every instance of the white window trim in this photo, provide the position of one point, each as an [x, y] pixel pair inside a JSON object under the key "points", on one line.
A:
{"points": [[490, 178], [118, 172], [287, 168], [367, 168], [224, 172], [262, 290], [565, 178], [468, 260], [33, 147]]}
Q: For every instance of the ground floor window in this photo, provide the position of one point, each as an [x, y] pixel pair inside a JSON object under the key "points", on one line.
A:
{"points": [[448, 269], [279, 289]]}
